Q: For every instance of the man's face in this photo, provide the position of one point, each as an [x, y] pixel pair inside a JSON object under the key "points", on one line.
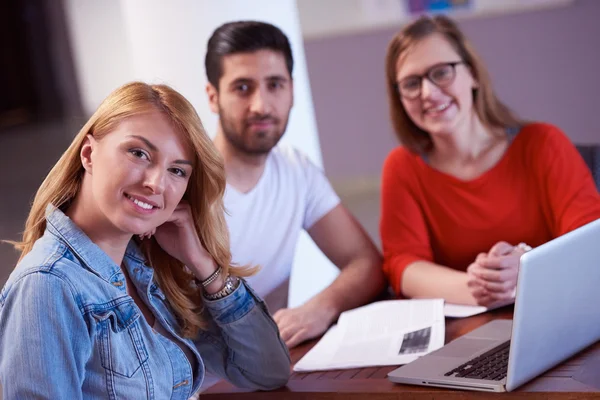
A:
{"points": [[253, 100]]}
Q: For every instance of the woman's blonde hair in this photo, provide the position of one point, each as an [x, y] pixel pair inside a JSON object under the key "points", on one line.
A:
{"points": [[491, 111], [204, 192]]}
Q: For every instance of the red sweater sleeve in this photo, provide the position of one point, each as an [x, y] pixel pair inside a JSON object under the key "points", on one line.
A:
{"points": [[404, 234], [572, 199]]}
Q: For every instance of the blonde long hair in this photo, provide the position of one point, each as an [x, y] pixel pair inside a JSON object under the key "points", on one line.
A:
{"points": [[204, 192], [490, 110]]}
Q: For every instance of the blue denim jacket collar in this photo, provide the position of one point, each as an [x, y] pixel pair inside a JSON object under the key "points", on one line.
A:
{"points": [[89, 254], [94, 258]]}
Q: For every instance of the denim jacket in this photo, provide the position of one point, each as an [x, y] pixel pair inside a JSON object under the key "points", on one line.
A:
{"points": [[69, 330]]}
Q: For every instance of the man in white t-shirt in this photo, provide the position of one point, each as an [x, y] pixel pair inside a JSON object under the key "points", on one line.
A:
{"points": [[274, 192]]}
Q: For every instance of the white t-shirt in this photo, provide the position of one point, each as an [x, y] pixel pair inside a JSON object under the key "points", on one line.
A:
{"points": [[264, 224]]}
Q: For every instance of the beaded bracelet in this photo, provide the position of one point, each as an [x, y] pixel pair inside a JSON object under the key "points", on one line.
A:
{"points": [[231, 283], [213, 277]]}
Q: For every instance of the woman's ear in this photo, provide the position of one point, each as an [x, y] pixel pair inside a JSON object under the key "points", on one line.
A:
{"points": [[474, 78], [86, 153]]}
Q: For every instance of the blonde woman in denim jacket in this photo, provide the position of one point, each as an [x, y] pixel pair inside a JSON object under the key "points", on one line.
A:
{"points": [[124, 288]]}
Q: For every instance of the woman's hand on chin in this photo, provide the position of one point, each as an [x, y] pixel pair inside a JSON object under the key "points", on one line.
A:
{"points": [[178, 237]]}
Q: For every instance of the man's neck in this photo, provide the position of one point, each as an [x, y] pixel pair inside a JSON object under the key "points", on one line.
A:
{"points": [[243, 170]]}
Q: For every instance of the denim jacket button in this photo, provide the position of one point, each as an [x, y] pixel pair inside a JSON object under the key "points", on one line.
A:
{"points": [[118, 283]]}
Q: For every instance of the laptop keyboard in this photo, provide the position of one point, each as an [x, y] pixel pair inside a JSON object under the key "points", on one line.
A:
{"points": [[492, 365]]}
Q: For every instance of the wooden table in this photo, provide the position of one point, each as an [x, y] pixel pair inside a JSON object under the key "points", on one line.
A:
{"points": [[576, 378]]}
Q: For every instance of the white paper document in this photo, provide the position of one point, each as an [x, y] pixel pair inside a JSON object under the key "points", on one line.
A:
{"points": [[461, 311], [391, 332], [452, 310]]}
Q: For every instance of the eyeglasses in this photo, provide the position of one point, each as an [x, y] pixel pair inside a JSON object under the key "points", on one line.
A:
{"points": [[441, 75]]}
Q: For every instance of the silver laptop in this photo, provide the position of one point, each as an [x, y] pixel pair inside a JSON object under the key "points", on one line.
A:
{"points": [[556, 315]]}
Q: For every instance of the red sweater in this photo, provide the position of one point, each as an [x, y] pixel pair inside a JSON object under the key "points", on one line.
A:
{"points": [[540, 189]]}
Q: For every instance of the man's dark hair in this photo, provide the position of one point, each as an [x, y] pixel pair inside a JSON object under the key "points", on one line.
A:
{"points": [[243, 37]]}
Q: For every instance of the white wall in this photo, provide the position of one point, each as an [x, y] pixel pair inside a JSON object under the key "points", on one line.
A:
{"points": [[156, 41], [100, 48]]}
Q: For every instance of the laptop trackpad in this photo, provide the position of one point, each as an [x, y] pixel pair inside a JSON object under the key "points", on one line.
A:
{"points": [[464, 347]]}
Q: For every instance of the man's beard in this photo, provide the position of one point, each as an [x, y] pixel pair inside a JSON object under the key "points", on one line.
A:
{"points": [[255, 144]]}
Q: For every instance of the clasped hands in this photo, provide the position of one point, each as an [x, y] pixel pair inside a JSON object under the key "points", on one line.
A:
{"points": [[492, 277]]}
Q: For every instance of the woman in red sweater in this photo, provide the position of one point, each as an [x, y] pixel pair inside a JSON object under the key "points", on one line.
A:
{"points": [[472, 187]]}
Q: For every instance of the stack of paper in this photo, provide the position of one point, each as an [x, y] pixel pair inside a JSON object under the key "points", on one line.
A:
{"points": [[391, 332]]}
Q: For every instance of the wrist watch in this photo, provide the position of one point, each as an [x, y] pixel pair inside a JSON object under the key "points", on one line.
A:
{"points": [[231, 283]]}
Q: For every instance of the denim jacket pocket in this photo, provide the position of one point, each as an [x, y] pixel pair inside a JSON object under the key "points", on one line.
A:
{"points": [[122, 349]]}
